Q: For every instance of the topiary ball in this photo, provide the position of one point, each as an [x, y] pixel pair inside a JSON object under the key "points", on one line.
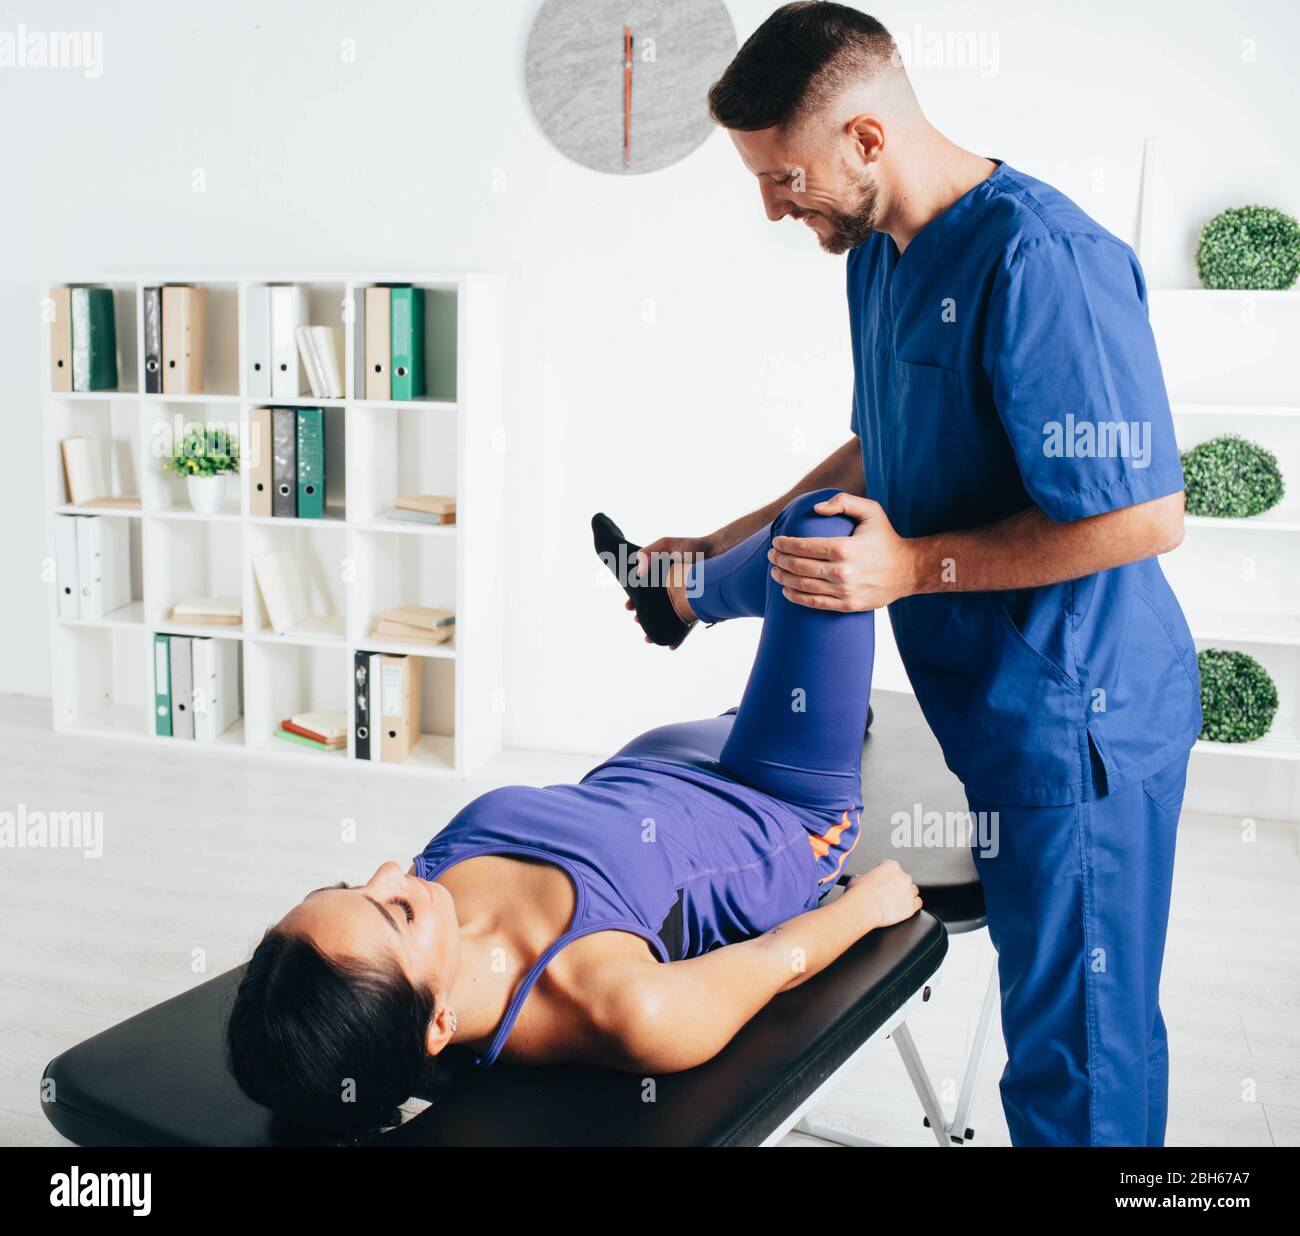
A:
{"points": [[1238, 698], [1231, 478], [1249, 247]]}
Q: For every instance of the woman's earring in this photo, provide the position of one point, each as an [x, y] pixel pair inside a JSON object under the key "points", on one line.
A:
{"points": [[454, 1023]]}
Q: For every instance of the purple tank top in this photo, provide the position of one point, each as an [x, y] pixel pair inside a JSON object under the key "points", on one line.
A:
{"points": [[657, 841]]}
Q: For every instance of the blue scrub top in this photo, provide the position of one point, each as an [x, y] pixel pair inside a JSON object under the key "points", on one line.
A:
{"points": [[1006, 360]]}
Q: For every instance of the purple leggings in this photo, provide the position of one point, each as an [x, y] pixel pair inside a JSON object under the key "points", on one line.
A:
{"points": [[799, 728]]}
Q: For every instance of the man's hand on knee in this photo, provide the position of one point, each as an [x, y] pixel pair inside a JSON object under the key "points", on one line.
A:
{"points": [[866, 570]]}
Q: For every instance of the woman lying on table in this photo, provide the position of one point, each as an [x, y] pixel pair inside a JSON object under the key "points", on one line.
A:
{"points": [[636, 920]]}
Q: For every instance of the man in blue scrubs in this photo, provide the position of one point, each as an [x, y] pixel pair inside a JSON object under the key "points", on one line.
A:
{"points": [[1013, 474]]}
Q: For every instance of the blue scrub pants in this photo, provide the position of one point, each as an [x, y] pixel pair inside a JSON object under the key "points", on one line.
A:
{"points": [[1077, 895], [1078, 902]]}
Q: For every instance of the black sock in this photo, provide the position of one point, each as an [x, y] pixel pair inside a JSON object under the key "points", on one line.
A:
{"points": [[654, 608]]}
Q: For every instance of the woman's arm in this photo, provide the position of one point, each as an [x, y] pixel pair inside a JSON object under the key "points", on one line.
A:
{"points": [[672, 1017]]}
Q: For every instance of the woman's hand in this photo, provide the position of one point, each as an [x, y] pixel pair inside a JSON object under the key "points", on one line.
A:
{"points": [[887, 891]]}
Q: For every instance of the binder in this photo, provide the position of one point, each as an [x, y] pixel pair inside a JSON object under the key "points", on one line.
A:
{"points": [[284, 462], [153, 341], [311, 463], [216, 687], [103, 565], [180, 662], [407, 327], [94, 340], [61, 340], [259, 464], [65, 566], [288, 312], [400, 697], [375, 680], [257, 375], [378, 301], [184, 324], [361, 705], [162, 686]]}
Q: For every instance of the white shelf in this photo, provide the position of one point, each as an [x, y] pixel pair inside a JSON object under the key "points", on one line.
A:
{"points": [[1279, 519], [1233, 411], [1244, 626], [1282, 742], [1213, 294], [131, 615], [1232, 365], [357, 563]]}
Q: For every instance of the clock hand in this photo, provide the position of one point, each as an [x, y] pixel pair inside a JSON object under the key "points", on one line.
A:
{"points": [[627, 96]]}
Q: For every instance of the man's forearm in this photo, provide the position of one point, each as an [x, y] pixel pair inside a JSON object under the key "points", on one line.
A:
{"points": [[1030, 549], [842, 470]]}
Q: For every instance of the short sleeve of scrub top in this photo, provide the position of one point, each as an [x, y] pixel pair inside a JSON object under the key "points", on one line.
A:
{"points": [[1070, 356]]}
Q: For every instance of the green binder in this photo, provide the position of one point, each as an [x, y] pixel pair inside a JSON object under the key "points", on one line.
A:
{"points": [[406, 335], [162, 687], [94, 340], [311, 463]]}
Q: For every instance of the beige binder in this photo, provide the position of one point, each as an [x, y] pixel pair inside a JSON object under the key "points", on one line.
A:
{"points": [[61, 340], [399, 711], [184, 320], [378, 344], [259, 463]]}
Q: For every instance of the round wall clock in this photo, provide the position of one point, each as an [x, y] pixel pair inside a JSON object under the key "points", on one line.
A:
{"points": [[620, 85]]}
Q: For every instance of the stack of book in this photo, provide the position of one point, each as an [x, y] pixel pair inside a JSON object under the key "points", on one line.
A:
{"points": [[83, 340], [196, 686], [92, 566], [394, 342], [287, 455], [286, 355], [386, 706], [423, 509], [209, 611], [419, 623], [175, 322], [325, 729]]}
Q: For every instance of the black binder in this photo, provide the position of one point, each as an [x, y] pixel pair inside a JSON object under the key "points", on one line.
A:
{"points": [[153, 341], [361, 706], [284, 462]]}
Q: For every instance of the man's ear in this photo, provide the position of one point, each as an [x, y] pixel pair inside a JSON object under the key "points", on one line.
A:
{"points": [[440, 1030], [867, 134]]}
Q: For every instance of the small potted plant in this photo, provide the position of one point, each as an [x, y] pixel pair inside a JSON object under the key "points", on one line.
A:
{"points": [[205, 457]]}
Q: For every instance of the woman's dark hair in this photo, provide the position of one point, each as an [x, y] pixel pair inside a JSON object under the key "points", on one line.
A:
{"points": [[795, 62], [330, 1046]]}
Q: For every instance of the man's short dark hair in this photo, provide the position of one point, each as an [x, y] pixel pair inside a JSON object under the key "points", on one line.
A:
{"points": [[795, 62]]}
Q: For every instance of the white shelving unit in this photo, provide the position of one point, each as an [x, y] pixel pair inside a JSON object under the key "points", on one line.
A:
{"points": [[1232, 365], [354, 562]]}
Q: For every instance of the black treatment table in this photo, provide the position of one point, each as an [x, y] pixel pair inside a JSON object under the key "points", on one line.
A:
{"points": [[159, 1078]]}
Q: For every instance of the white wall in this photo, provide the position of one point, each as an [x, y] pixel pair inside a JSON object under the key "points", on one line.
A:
{"points": [[741, 381]]}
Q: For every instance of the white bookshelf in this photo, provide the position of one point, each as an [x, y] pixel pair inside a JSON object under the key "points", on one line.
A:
{"points": [[354, 561], [1232, 365]]}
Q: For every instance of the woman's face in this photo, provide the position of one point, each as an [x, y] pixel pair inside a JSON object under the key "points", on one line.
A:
{"points": [[394, 913]]}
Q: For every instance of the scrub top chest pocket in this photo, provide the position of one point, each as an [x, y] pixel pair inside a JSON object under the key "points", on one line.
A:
{"points": [[926, 464]]}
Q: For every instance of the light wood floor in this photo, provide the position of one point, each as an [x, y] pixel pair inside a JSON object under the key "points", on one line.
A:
{"points": [[201, 852]]}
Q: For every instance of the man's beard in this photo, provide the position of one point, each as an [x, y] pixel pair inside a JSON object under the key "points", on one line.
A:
{"points": [[852, 227]]}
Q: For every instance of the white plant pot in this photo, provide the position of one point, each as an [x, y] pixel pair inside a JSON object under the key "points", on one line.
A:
{"points": [[207, 493]]}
